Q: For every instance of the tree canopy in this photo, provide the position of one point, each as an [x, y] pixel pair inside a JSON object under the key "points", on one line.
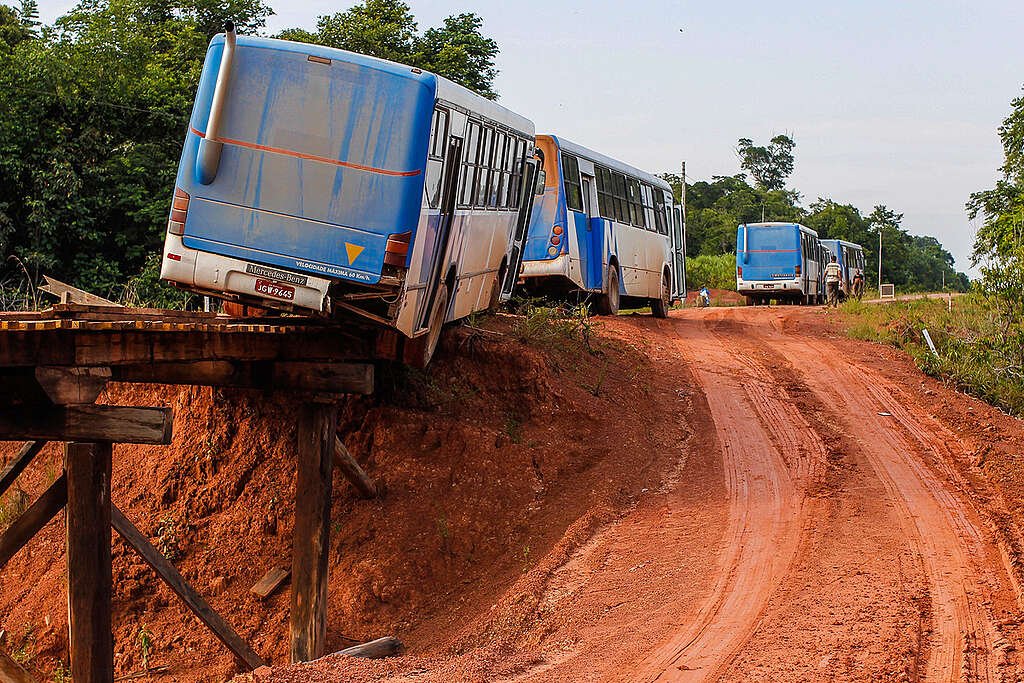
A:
{"points": [[770, 165], [94, 108], [387, 29]]}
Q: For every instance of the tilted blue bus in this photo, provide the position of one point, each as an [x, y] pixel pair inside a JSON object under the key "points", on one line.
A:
{"points": [[604, 229], [319, 181], [850, 257], [780, 261]]}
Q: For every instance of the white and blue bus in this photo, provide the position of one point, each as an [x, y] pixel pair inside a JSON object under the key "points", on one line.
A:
{"points": [[781, 261], [850, 257], [604, 229], [320, 181]]}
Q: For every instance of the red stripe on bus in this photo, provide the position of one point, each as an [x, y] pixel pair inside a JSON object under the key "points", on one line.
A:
{"points": [[772, 251], [311, 157]]}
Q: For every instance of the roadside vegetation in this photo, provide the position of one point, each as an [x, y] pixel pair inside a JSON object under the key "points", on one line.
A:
{"points": [[980, 340], [979, 349], [714, 271]]}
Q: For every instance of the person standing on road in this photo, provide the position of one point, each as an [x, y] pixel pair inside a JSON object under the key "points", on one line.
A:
{"points": [[858, 285], [832, 275]]}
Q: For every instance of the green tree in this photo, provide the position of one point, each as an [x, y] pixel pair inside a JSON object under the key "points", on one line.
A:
{"points": [[92, 116], [770, 165], [458, 50]]}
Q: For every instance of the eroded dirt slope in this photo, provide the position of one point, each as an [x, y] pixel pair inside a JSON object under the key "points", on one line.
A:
{"points": [[729, 494]]}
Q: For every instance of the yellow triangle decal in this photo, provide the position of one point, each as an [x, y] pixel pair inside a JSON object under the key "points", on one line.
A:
{"points": [[353, 252]]}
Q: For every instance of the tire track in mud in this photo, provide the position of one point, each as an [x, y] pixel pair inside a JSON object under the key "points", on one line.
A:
{"points": [[771, 457], [951, 546]]}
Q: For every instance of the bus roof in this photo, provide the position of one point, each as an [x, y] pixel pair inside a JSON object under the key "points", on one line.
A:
{"points": [[615, 165], [845, 243], [445, 89], [780, 224]]}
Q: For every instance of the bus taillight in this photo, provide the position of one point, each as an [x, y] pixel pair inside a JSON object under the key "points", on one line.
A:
{"points": [[797, 269], [179, 210], [739, 272], [396, 248]]}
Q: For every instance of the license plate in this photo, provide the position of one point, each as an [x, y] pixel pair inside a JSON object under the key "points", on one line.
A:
{"points": [[275, 290], [769, 286]]}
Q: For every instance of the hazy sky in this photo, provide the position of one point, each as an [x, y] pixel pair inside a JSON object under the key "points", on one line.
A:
{"points": [[892, 103]]}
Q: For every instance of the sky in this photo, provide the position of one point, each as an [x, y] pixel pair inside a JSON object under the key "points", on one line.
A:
{"points": [[894, 102]]}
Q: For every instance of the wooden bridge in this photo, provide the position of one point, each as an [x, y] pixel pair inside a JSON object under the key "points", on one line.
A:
{"points": [[55, 363]]}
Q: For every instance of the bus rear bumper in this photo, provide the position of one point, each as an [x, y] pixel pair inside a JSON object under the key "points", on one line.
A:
{"points": [[760, 286], [237, 279], [546, 267]]}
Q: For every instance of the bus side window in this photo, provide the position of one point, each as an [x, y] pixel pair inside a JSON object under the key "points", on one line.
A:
{"points": [[571, 178], [497, 163], [659, 212], [636, 209], [605, 203], [435, 157], [483, 179], [469, 164], [507, 199]]}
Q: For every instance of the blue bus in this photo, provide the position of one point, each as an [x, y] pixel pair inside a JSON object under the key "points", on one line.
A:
{"points": [[781, 261], [319, 181], [604, 229], [850, 257]]}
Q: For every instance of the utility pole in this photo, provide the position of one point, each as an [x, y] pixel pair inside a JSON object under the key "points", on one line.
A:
{"points": [[879, 261]]}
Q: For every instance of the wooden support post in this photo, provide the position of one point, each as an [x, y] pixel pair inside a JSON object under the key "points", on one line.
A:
{"points": [[344, 461], [34, 519], [25, 456], [310, 541], [88, 555], [166, 571]]}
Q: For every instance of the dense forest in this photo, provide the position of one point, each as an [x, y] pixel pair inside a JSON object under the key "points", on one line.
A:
{"points": [[93, 112]]}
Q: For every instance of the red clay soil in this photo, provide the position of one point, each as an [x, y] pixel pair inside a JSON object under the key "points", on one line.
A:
{"points": [[730, 494]]}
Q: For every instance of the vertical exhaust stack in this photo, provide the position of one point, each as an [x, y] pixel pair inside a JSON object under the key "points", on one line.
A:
{"points": [[210, 146]]}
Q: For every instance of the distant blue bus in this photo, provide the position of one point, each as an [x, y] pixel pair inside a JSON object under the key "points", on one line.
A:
{"points": [[850, 257], [604, 229], [781, 261], [320, 181]]}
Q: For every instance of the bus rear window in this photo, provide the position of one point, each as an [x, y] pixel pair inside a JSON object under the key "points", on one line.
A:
{"points": [[772, 238]]}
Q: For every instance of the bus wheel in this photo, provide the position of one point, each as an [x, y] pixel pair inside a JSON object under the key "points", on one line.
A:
{"points": [[659, 307], [419, 351], [608, 303]]}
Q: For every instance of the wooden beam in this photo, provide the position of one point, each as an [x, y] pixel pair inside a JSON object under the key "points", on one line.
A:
{"points": [[32, 520], [270, 581], [169, 575], [335, 378], [119, 424], [72, 385], [68, 294], [311, 536], [375, 649], [18, 464], [348, 466], [320, 376], [11, 671], [88, 555]]}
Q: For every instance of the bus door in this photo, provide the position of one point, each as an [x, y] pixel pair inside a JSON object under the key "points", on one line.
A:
{"points": [[591, 240], [805, 268], [515, 259], [678, 254], [449, 197]]}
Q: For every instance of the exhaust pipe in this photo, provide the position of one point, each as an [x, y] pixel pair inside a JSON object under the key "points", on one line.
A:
{"points": [[210, 146]]}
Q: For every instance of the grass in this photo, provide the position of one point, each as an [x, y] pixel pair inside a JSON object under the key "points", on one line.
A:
{"points": [[980, 348], [12, 506]]}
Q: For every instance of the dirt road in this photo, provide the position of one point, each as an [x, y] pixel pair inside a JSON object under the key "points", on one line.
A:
{"points": [[825, 519]]}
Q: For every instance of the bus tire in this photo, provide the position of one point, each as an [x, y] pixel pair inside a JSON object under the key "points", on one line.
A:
{"points": [[419, 351], [608, 303], [659, 307]]}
